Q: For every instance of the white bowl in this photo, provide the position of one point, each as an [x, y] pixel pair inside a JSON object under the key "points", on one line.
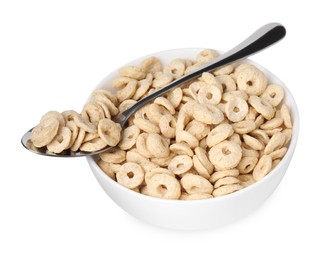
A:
{"points": [[199, 214]]}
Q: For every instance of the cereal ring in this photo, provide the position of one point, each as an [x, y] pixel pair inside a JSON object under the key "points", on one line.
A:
{"points": [[143, 86], [218, 134], [105, 167], [184, 136], [252, 114], [180, 164], [262, 168], [176, 68], [155, 112], [210, 79], [152, 172], [107, 101], [131, 175], [209, 94], [196, 184], [206, 56], [144, 190], [198, 129], [106, 94], [126, 104], [235, 138], [236, 109], [104, 108], [61, 140], [175, 97], [141, 145], [93, 113], [93, 145], [56, 115], [275, 163], [109, 131], [226, 181], [135, 157], [161, 79], [273, 123], [181, 149], [164, 186], [225, 155], [129, 137], [224, 70], [116, 156], [158, 145], [250, 79], [45, 132], [151, 65], [286, 116], [166, 104], [195, 87], [132, 72], [271, 132], [253, 142], [249, 152], [120, 82], [202, 156], [192, 67], [167, 125], [261, 106], [227, 83], [221, 174], [260, 135], [247, 164], [70, 115], [278, 154], [146, 125], [244, 127], [208, 114], [275, 143], [227, 96], [128, 91], [226, 189], [89, 136], [163, 162], [184, 195], [246, 179], [274, 94], [75, 132], [259, 121], [200, 168], [199, 196], [78, 141], [203, 144], [288, 135], [188, 108]]}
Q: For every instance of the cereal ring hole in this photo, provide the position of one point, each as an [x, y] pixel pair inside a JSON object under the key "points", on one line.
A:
{"points": [[130, 175], [209, 95], [249, 83], [162, 189], [226, 151], [236, 109], [273, 94]]}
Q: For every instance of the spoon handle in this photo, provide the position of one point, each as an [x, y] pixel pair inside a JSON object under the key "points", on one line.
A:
{"points": [[259, 40]]}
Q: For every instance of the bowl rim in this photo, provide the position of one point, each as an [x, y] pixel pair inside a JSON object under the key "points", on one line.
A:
{"points": [[292, 145]]}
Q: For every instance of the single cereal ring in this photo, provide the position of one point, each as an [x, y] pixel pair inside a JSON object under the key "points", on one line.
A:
{"points": [[250, 79], [175, 97], [273, 123], [184, 136], [211, 80], [89, 136], [161, 79], [146, 125], [151, 65], [225, 173], [109, 131], [226, 181], [227, 96], [225, 155], [203, 144], [61, 140], [252, 114], [253, 142], [278, 154], [275, 163], [176, 67], [244, 127], [218, 134], [199, 196], [128, 91], [247, 164], [263, 167], [105, 167], [121, 82], [271, 132], [93, 145], [56, 115], [135, 157], [202, 156], [167, 125], [141, 145], [164, 186], [249, 152], [209, 94], [246, 179], [227, 82], [262, 106], [288, 135], [70, 115], [163, 162], [143, 86], [260, 135], [275, 143], [78, 141], [131, 175], [180, 164], [182, 121], [126, 104], [93, 113], [198, 129], [149, 174], [104, 107], [166, 104], [181, 149], [235, 138], [236, 109], [155, 112], [196, 184], [206, 56], [45, 132], [200, 168], [116, 156], [129, 137], [208, 114], [228, 69], [192, 67], [286, 116], [106, 94], [274, 94], [226, 189], [158, 145], [75, 132], [188, 107], [132, 72]]}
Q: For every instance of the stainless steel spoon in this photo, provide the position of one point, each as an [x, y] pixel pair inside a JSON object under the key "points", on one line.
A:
{"points": [[259, 40]]}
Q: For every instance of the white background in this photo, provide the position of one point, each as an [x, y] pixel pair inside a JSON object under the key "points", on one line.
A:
{"points": [[52, 54]]}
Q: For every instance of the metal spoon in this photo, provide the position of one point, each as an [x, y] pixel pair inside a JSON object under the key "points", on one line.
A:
{"points": [[259, 40]]}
